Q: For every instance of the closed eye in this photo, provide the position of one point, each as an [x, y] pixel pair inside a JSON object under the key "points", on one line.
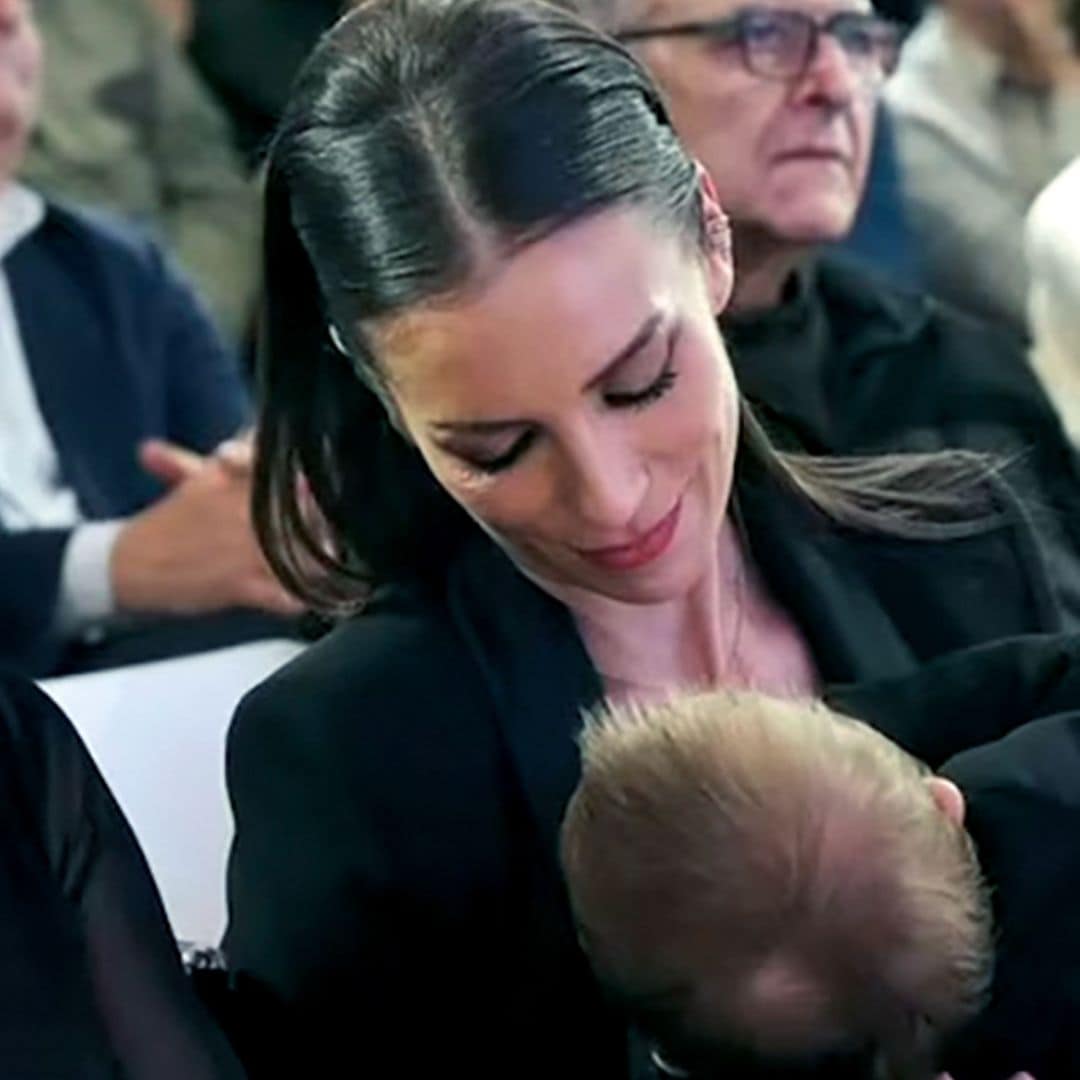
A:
{"points": [[641, 396], [494, 463], [639, 399]]}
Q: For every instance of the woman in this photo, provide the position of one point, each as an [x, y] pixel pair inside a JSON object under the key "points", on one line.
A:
{"points": [[494, 390], [91, 980]]}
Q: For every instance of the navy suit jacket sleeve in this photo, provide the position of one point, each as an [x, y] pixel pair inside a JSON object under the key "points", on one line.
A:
{"points": [[206, 400], [119, 350]]}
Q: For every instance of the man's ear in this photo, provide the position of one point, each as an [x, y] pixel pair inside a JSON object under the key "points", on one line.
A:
{"points": [[949, 799], [717, 241]]}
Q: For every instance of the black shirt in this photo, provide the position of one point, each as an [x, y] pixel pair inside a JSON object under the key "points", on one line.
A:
{"points": [[851, 363]]}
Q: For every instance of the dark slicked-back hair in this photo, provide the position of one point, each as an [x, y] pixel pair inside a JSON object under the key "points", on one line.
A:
{"points": [[423, 139]]}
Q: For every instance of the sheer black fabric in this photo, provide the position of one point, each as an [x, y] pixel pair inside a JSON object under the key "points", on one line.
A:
{"points": [[90, 981]]}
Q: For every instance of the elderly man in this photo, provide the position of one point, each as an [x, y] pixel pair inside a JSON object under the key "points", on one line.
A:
{"points": [[105, 353], [987, 107], [774, 890], [779, 105]]}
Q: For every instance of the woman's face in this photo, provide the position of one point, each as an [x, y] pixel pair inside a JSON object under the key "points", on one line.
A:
{"points": [[579, 404]]}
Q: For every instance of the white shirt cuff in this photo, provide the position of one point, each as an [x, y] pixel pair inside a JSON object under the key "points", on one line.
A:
{"points": [[86, 592]]}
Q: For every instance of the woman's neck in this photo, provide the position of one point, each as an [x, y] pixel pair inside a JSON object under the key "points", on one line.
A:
{"points": [[724, 631]]}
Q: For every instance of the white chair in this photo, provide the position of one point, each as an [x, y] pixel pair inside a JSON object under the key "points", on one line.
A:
{"points": [[157, 732]]}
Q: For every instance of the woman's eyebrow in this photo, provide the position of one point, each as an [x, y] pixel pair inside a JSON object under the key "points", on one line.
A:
{"points": [[642, 336], [476, 427]]}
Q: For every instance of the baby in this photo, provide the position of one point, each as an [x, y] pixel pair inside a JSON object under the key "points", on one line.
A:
{"points": [[772, 889]]}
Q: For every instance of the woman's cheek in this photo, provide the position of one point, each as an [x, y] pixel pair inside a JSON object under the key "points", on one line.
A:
{"points": [[514, 503]]}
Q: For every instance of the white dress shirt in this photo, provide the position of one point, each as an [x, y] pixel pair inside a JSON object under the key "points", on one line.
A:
{"points": [[33, 493]]}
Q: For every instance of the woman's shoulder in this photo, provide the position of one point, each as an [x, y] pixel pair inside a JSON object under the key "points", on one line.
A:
{"points": [[399, 656]]}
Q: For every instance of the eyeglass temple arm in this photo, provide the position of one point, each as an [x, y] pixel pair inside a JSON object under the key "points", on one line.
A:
{"points": [[715, 30]]}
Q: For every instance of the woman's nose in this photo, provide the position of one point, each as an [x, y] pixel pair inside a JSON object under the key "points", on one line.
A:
{"points": [[607, 481]]}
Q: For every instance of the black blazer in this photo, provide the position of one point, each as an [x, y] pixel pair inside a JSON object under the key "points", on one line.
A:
{"points": [[1003, 721], [90, 979], [395, 898], [852, 363], [119, 350]]}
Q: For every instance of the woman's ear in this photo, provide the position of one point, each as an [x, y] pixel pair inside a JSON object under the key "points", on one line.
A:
{"points": [[717, 242], [372, 380], [949, 799]]}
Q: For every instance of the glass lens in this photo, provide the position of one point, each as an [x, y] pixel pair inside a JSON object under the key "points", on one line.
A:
{"points": [[776, 44], [868, 41]]}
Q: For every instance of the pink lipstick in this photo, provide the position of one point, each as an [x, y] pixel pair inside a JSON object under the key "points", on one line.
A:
{"points": [[641, 551]]}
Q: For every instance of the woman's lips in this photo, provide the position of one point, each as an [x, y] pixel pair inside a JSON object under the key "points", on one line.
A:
{"points": [[645, 549]]}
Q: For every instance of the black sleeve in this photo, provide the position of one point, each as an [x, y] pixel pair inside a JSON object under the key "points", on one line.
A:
{"points": [[208, 401], [93, 864], [30, 567], [318, 938], [1023, 797], [970, 697], [370, 887]]}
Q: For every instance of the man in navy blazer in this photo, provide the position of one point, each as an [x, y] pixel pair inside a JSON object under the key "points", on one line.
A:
{"points": [[122, 533]]}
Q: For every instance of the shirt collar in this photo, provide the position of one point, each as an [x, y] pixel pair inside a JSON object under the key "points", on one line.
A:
{"points": [[21, 212]]}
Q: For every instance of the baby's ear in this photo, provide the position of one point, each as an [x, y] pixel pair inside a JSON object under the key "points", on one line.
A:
{"points": [[949, 799]]}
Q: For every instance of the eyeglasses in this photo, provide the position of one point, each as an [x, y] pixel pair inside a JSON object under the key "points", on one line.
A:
{"points": [[778, 44]]}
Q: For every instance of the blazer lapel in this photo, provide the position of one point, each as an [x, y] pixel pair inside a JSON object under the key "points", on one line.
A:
{"points": [[537, 671], [86, 401], [814, 573]]}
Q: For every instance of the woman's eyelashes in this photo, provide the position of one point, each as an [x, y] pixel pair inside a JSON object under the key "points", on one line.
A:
{"points": [[638, 399], [622, 393], [503, 460], [630, 398]]}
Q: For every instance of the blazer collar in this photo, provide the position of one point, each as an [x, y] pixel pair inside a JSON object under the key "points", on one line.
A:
{"points": [[815, 573], [537, 671]]}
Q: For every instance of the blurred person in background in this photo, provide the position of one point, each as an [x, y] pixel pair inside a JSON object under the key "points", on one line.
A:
{"points": [[248, 51], [775, 890], [1053, 249], [779, 106], [114, 545], [987, 105], [126, 125]]}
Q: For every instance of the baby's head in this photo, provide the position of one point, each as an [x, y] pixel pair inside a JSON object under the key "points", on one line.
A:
{"points": [[773, 889]]}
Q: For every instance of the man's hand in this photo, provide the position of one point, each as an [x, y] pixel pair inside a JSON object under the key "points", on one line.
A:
{"points": [[194, 550], [171, 463]]}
